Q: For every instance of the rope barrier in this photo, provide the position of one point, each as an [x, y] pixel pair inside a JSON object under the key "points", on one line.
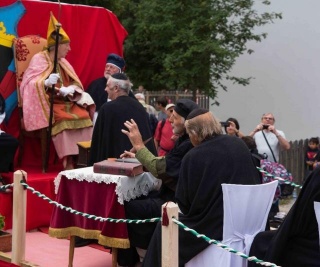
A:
{"points": [[279, 178], [181, 225], [223, 246], [4, 187], [210, 241], [94, 217]]}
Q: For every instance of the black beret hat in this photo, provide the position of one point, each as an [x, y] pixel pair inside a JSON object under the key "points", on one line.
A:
{"points": [[184, 107], [120, 76], [116, 60], [196, 112]]}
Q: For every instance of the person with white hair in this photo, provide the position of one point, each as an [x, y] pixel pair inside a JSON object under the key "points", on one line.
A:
{"points": [[107, 140], [150, 109], [114, 64]]}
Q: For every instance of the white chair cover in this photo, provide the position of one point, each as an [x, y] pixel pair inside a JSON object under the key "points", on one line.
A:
{"points": [[246, 209], [317, 211]]}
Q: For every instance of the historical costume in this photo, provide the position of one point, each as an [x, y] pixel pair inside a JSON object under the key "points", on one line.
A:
{"points": [[96, 89], [296, 242], [107, 139], [217, 160], [72, 113], [165, 168]]}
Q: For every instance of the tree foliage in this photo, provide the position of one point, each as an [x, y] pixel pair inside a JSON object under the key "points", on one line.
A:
{"points": [[189, 44]]}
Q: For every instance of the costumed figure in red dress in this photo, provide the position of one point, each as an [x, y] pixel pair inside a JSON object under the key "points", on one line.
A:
{"points": [[73, 109]]}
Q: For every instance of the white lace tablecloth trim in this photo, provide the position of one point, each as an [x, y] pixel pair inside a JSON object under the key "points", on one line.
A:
{"points": [[127, 188]]}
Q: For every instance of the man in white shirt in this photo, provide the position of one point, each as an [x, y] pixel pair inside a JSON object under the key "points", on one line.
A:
{"points": [[275, 138]]}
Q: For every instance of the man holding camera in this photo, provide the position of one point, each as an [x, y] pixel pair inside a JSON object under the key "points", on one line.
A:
{"points": [[268, 139]]}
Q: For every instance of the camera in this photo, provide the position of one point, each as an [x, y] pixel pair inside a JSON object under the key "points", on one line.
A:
{"points": [[225, 123], [264, 127]]}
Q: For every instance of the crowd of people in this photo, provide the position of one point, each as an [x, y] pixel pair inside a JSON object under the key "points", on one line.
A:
{"points": [[185, 148]]}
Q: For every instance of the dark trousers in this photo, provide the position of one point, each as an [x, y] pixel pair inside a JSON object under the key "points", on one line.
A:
{"points": [[140, 234], [8, 147]]}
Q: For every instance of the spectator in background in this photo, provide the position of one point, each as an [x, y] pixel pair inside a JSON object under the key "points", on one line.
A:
{"points": [[266, 134], [269, 140], [153, 121], [256, 157], [150, 109], [311, 154], [160, 106], [141, 89], [233, 128], [164, 138]]}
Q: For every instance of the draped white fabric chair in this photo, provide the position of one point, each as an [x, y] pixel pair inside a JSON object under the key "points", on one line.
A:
{"points": [[246, 209], [317, 211]]}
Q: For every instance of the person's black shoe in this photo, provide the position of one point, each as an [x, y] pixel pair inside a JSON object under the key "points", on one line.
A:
{"points": [[82, 242]]}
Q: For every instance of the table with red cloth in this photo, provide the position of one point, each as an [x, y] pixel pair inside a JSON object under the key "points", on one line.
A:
{"points": [[100, 195]]}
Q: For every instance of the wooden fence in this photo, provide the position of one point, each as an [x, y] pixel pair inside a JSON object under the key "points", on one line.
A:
{"points": [[294, 159], [151, 97]]}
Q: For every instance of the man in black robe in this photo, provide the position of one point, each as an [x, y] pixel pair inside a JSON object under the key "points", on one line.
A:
{"points": [[107, 140], [165, 168], [114, 64], [296, 242], [96, 89], [214, 160]]}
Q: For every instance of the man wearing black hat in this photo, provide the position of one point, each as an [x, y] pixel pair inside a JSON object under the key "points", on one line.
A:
{"points": [[114, 64], [165, 168], [107, 140]]}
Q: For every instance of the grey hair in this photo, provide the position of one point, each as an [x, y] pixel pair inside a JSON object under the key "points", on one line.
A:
{"points": [[124, 85], [203, 126], [264, 114]]}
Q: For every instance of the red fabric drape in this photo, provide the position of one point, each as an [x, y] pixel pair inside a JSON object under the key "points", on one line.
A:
{"points": [[94, 33], [38, 210], [7, 264]]}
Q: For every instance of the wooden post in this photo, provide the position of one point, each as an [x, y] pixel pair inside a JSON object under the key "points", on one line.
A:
{"points": [[114, 257], [71, 250], [170, 249], [19, 218]]}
